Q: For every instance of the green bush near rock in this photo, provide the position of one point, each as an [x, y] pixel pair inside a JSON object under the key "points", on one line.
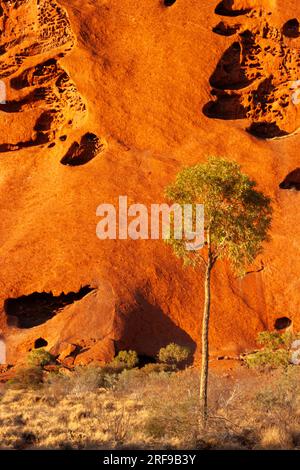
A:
{"points": [[268, 358], [174, 354], [39, 358], [275, 352], [125, 360]]}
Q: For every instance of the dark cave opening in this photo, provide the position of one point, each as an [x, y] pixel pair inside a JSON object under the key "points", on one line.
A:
{"points": [[35, 309], [229, 73], [40, 343], [81, 153], [225, 106], [169, 3], [291, 29], [266, 130], [282, 323], [291, 181]]}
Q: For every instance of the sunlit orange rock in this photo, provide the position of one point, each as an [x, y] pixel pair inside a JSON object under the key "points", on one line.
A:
{"points": [[163, 87]]}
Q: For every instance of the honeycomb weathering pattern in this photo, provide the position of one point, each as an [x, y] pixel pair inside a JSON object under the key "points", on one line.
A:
{"points": [[38, 32], [246, 4], [257, 77]]}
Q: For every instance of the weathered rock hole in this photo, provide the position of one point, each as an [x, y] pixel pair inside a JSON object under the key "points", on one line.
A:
{"points": [[169, 3], [225, 8], [229, 74], [282, 323], [45, 121], [260, 96], [28, 77], [291, 181], [266, 130], [225, 107], [291, 28], [81, 153], [16, 106], [35, 309], [40, 343], [224, 29]]}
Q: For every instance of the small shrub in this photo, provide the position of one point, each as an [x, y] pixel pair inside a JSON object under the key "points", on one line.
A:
{"points": [[268, 358], [125, 360], [92, 376], [27, 378], [83, 379], [110, 380], [39, 357], [275, 352], [173, 354], [130, 379], [273, 340], [151, 375]]}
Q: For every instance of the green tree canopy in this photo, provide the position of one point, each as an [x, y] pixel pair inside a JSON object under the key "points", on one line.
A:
{"points": [[237, 215]]}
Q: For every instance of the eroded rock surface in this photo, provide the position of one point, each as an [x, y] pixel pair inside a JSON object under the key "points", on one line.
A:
{"points": [[140, 74], [257, 77], [81, 153], [37, 32]]}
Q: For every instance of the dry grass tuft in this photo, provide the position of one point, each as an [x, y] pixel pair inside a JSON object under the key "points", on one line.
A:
{"points": [[276, 438]]}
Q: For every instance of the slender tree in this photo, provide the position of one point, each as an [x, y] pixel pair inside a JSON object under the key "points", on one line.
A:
{"points": [[237, 221]]}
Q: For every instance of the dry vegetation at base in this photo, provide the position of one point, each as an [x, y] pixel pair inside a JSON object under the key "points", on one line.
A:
{"points": [[144, 409]]}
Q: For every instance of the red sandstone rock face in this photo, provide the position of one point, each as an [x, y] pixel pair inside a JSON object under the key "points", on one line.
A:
{"points": [[163, 87]]}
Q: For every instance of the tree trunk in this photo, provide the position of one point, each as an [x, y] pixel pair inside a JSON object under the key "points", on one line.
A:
{"points": [[205, 345]]}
